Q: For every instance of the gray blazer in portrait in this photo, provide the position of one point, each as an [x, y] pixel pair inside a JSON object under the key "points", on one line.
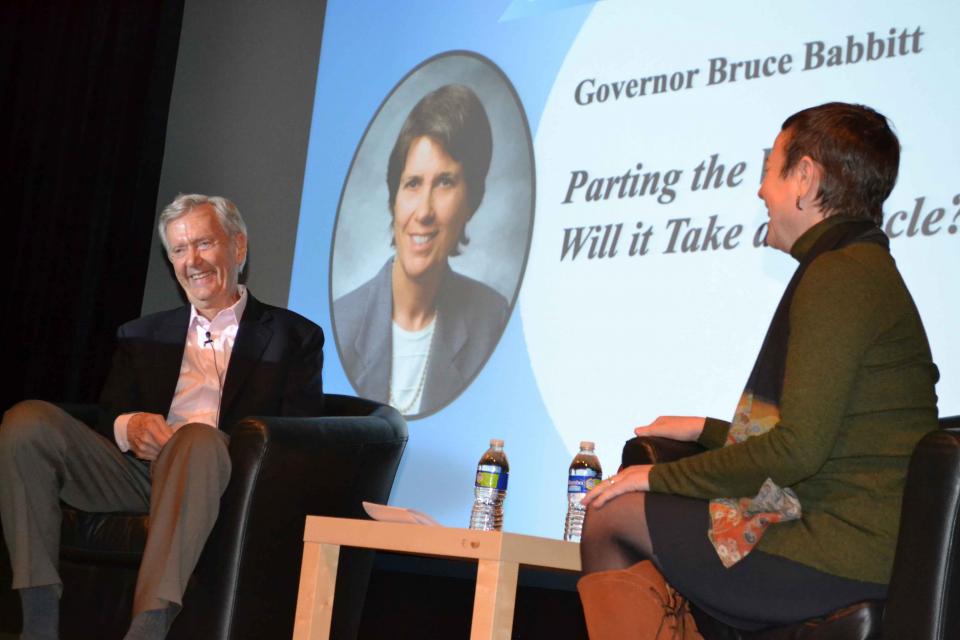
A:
{"points": [[470, 318]]}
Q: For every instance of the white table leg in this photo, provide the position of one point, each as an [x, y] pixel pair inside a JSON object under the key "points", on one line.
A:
{"points": [[318, 580], [494, 600]]}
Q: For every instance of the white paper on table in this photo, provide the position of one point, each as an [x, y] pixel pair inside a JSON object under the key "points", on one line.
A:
{"points": [[385, 513]]}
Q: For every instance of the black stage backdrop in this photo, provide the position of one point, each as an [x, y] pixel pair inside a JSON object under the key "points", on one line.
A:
{"points": [[85, 94]]}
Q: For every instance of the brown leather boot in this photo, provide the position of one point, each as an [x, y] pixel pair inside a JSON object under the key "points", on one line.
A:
{"points": [[635, 603]]}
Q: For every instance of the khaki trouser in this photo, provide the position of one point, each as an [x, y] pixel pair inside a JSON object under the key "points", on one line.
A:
{"points": [[47, 456]]}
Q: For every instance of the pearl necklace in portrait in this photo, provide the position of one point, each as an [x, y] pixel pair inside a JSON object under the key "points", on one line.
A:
{"points": [[423, 375]]}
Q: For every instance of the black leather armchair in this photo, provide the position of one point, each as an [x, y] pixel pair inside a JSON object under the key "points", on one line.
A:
{"points": [[245, 584], [923, 602]]}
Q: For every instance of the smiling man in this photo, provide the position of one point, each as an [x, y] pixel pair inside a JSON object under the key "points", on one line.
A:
{"points": [[179, 379]]}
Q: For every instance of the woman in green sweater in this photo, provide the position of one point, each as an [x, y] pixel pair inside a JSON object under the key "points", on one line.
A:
{"points": [[793, 510]]}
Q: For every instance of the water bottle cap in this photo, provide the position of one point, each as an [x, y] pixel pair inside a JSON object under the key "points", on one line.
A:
{"points": [[586, 444], [495, 442]]}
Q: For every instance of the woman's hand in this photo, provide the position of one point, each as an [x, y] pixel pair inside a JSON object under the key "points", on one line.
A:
{"points": [[684, 428], [634, 478]]}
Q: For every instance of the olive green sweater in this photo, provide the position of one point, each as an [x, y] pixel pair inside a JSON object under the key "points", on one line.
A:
{"points": [[858, 394]]}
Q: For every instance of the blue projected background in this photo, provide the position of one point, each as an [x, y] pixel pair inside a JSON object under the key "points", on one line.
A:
{"points": [[595, 346]]}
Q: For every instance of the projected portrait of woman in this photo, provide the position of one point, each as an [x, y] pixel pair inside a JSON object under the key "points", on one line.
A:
{"points": [[418, 331]]}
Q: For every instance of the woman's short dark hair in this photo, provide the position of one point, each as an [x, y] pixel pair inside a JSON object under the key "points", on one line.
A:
{"points": [[858, 151], [453, 117]]}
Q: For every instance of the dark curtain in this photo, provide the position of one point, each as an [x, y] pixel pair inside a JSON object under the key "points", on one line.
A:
{"points": [[85, 95]]}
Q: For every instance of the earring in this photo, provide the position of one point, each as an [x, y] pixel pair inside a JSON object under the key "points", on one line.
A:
{"points": [[798, 204]]}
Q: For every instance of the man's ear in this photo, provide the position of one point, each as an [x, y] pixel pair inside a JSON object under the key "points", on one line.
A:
{"points": [[241, 247]]}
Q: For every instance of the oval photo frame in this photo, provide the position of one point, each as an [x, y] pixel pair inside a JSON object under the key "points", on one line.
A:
{"points": [[476, 301]]}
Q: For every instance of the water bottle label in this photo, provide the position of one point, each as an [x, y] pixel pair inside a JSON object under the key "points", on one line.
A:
{"points": [[581, 480], [492, 476]]}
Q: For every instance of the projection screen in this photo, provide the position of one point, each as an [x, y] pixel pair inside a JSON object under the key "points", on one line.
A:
{"points": [[618, 248]]}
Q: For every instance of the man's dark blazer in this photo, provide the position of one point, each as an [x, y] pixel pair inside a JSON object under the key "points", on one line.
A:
{"points": [[275, 366]]}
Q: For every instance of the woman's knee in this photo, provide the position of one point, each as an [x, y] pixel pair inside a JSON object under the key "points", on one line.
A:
{"points": [[620, 521]]}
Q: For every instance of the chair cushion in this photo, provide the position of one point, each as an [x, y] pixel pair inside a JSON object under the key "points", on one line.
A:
{"points": [[859, 621]]}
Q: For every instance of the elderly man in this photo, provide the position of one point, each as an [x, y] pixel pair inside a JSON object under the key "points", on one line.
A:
{"points": [[178, 378]]}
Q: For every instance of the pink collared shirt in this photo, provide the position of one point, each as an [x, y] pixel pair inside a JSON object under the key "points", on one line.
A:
{"points": [[206, 356]]}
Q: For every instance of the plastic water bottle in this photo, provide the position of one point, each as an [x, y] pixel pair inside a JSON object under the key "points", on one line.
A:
{"points": [[490, 489], [585, 472]]}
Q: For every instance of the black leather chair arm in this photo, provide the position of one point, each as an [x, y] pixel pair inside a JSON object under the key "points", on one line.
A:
{"points": [[925, 588], [653, 449]]}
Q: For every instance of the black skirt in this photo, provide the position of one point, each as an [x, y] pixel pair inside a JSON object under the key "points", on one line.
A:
{"points": [[761, 590]]}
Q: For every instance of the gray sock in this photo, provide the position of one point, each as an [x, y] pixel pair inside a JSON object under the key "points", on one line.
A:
{"points": [[41, 612], [153, 624]]}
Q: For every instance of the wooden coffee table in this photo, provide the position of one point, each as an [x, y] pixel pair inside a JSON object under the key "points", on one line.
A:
{"points": [[499, 556]]}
